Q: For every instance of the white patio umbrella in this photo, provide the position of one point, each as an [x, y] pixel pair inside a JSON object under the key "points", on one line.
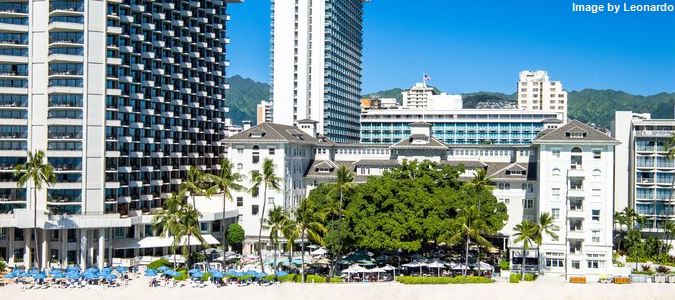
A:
{"points": [[389, 268], [436, 265], [319, 252], [415, 265], [485, 266], [354, 269], [458, 266], [377, 270]]}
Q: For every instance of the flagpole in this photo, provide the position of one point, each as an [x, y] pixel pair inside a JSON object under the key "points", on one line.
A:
{"points": [[424, 80]]}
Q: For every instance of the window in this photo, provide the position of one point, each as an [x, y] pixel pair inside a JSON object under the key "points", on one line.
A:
{"points": [[18, 235], [204, 227], [595, 235], [240, 150], [597, 173], [596, 261], [528, 203], [555, 260], [3, 233], [271, 151], [255, 191], [240, 166], [254, 209], [595, 215], [54, 235], [576, 265], [270, 200], [256, 154], [555, 213], [240, 201], [597, 153], [556, 172], [556, 153]]}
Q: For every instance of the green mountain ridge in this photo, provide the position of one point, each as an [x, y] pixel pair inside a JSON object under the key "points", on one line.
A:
{"points": [[588, 105]]}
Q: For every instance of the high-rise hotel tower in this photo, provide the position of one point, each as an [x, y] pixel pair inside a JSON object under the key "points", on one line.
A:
{"points": [[122, 95], [316, 64]]}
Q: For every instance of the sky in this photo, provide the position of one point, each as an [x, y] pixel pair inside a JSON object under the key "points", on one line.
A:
{"points": [[478, 45]]}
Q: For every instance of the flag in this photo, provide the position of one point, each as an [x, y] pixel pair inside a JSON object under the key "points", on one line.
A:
{"points": [[426, 77]]}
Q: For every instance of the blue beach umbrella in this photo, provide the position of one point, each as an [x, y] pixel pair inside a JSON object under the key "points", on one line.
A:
{"points": [[39, 276], [92, 270], [90, 276], [197, 274], [11, 275], [282, 273], [58, 275], [163, 268], [73, 276], [251, 272], [260, 275], [217, 274], [106, 270], [194, 271], [150, 272], [110, 277], [121, 269]]}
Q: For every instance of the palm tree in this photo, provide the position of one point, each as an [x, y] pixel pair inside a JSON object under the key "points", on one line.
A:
{"points": [[525, 232], [190, 220], [269, 181], [344, 184], [481, 181], [546, 226], [469, 225], [622, 220], [307, 221], [39, 172], [226, 182], [169, 221], [276, 221], [195, 185], [669, 228]]}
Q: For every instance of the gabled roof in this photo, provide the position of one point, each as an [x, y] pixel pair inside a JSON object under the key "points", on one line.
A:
{"points": [[499, 171], [313, 173], [468, 164], [562, 135], [407, 143], [377, 163], [271, 132]]}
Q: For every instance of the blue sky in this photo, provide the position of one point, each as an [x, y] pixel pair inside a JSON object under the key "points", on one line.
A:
{"points": [[479, 45]]}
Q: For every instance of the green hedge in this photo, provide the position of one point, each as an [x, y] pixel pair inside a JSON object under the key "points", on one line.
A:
{"points": [[310, 278], [443, 280], [530, 277], [3, 265], [514, 278], [158, 263]]}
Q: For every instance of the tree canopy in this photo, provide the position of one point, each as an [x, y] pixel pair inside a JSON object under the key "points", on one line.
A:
{"points": [[409, 206]]}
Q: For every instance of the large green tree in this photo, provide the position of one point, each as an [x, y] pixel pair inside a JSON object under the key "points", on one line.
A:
{"points": [[276, 222], [545, 227], [169, 221], [235, 234], [38, 171], [196, 185], [469, 225], [269, 180]]}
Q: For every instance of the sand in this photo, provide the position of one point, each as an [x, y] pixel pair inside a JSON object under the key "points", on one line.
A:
{"points": [[138, 290]]}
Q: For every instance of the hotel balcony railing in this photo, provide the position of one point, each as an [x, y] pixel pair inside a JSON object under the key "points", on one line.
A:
{"points": [[14, 21], [63, 167], [64, 136], [67, 6], [14, 135], [65, 72], [63, 199], [67, 19], [14, 7], [66, 41]]}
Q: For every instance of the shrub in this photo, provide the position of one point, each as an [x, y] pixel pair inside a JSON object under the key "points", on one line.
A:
{"points": [[530, 277], [183, 275], [443, 280], [646, 268], [158, 263], [3, 265], [504, 264], [662, 269], [514, 278], [206, 276]]}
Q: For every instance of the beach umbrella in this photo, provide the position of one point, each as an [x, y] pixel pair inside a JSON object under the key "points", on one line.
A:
{"points": [[58, 275], [197, 274], [251, 272], [121, 269], [319, 252], [110, 277], [281, 273], [73, 276], [260, 275], [90, 276], [163, 268], [92, 270], [11, 275], [72, 268], [217, 274], [436, 265], [194, 271], [150, 272], [106, 270]]}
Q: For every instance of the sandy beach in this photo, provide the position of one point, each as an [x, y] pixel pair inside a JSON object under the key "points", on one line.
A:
{"points": [[138, 289]]}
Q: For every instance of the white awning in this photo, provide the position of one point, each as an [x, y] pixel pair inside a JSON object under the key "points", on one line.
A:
{"points": [[160, 242]]}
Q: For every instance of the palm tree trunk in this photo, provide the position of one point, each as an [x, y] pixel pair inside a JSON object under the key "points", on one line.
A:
{"points": [[35, 235], [466, 256], [262, 218], [274, 267], [222, 224], [478, 259], [522, 265], [302, 255]]}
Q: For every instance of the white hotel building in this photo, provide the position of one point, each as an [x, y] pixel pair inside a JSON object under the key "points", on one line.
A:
{"points": [[123, 96], [566, 171], [537, 92]]}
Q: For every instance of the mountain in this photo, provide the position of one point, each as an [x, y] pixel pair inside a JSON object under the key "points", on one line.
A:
{"points": [[598, 106], [243, 97], [589, 105]]}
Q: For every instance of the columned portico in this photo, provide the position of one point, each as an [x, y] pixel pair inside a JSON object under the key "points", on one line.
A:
{"points": [[83, 249], [101, 248], [44, 250]]}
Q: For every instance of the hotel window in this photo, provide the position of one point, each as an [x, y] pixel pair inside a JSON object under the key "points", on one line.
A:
{"points": [[556, 153], [596, 173], [256, 154], [54, 235], [240, 166], [18, 235], [595, 236], [240, 201], [595, 215], [254, 209], [576, 265], [270, 200], [597, 153], [240, 150], [555, 259], [528, 203], [271, 151], [3, 233], [555, 213]]}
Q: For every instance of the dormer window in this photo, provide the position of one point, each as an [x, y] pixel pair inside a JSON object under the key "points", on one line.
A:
{"points": [[323, 170], [575, 133], [516, 172]]}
